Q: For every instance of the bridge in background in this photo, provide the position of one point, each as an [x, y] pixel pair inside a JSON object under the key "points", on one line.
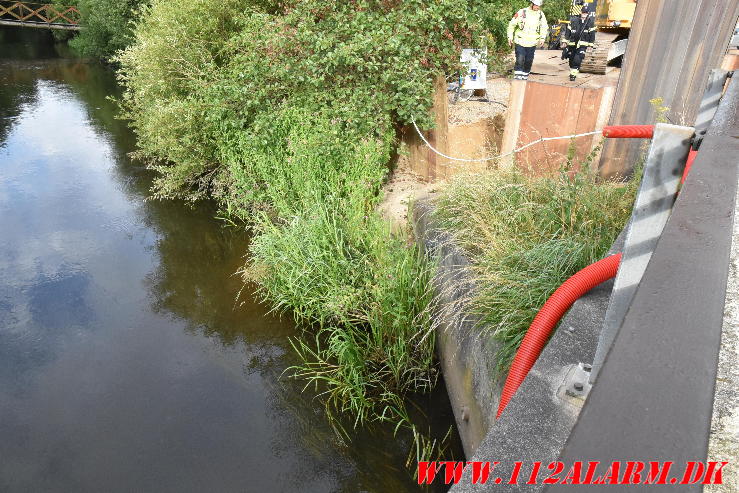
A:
{"points": [[39, 15]]}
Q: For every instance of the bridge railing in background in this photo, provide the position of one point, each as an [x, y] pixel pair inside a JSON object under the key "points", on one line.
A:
{"points": [[39, 15]]}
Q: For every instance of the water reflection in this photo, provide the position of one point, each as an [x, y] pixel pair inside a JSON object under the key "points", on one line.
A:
{"points": [[125, 363]]}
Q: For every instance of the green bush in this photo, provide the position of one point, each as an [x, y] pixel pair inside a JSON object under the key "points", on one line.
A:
{"points": [[107, 26]]}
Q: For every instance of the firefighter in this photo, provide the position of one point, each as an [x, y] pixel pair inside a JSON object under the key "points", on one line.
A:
{"points": [[527, 30], [580, 35]]}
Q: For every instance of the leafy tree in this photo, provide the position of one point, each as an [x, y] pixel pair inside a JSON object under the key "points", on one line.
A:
{"points": [[107, 25]]}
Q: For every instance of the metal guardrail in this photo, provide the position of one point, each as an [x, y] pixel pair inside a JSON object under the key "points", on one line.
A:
{"points": [[653, 399]]}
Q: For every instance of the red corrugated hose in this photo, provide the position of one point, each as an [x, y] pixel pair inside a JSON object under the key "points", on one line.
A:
{"points": [[548, 317], [573, 288], [629, 131], [691, 157]]}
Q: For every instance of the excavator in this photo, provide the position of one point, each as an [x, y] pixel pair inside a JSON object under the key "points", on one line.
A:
{"points": [[613, 20]]}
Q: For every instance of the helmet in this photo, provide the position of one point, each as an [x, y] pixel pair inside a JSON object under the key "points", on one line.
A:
{"points": [[585, 9], [537, 2]]}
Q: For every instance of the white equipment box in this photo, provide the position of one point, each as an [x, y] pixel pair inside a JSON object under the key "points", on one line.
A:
{"points": [[477, 69]]}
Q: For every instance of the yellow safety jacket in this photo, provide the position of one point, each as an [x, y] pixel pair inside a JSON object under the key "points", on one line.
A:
{"points": [[528, 27]]}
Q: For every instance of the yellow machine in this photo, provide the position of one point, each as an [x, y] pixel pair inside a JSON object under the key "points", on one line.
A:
{"points": [[613, 20]]}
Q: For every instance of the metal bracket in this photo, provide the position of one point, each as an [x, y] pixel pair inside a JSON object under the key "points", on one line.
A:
{"points": [[576, 384]]}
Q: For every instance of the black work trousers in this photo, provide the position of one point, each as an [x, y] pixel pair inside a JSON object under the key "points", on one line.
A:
{"points": [[577, 55], [524, 60]]}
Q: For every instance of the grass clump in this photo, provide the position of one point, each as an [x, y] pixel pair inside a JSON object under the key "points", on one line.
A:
{"points": [[526, 235]]}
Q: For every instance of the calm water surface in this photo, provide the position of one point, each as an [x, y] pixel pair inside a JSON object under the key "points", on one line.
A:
{"points": [[125, 362]]}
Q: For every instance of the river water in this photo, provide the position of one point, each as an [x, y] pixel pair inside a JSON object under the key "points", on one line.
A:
{"points": [[126, 363]]}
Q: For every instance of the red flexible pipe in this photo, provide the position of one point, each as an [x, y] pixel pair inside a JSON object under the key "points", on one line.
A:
{"points": [[629, 131], [691, 157], [548, 317]]}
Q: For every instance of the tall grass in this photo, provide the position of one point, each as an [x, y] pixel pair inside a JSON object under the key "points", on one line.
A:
{"points": [[322, 254], [526, 235]]}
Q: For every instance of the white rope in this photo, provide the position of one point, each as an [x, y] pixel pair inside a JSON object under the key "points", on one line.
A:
{"points": [[541, 139]]}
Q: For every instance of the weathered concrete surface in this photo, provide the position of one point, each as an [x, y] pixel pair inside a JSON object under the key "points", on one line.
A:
{"points": [[724, 442], [467, 358], [539, 418]]}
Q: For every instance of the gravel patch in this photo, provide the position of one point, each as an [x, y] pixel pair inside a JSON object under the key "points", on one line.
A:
{"points": [[474, 110], [724, 438]]}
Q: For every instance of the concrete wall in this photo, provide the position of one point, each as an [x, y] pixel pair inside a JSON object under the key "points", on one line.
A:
{"points": [[541, 415], [467, 357], [539, 418], [673, 45]]}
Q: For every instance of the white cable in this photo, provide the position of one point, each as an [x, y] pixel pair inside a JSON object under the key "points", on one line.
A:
{"points": [[541, 139]]}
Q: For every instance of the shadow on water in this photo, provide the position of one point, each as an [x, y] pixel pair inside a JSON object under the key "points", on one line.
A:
{"points": [[125, 361]]}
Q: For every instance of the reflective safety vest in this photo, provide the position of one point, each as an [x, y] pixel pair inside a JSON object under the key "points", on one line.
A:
{"points": [[528, 27]]}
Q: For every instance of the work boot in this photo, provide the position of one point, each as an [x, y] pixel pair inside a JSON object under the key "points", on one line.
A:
{"points": [[573, 77]]}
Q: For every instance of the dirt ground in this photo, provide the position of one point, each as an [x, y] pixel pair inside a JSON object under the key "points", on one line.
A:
{"points": [[402, 189]]}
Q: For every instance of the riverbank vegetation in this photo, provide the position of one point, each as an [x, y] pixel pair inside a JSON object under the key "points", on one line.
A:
{"points": [[526, 235], [287, 114], [109, 23]]}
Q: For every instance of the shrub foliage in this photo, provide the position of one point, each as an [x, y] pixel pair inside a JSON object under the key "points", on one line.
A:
{"points": [[107, 26]]}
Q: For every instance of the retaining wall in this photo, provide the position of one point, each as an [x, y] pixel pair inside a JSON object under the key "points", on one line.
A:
{"points": [[535, 109], [538, 109], [467, 358]]}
